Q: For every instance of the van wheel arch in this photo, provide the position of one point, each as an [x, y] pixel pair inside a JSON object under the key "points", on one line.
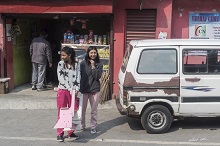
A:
{"points": [[158, 103]]}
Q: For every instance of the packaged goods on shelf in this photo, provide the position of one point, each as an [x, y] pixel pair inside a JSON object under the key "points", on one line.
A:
{"points": [[103, 53]]}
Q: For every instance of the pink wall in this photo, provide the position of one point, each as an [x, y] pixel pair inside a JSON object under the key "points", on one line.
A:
{"points": [[51, 6], [2, 50], [164, 11], [180, 23]]}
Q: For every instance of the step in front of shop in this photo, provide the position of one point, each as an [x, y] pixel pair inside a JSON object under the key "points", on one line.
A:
{"points": [[4, 88]]}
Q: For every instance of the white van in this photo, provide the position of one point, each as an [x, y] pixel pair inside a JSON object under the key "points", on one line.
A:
{"points": [[162, 80]]}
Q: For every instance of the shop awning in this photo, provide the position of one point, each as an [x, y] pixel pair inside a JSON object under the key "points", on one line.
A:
{"points": [[56, 6]]}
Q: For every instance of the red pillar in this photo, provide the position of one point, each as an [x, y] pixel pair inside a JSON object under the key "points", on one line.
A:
{"points": [[9, 57], [2, 51]]}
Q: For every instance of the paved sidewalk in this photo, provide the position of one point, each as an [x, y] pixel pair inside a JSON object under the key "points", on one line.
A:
{"points": [[23, 97]]}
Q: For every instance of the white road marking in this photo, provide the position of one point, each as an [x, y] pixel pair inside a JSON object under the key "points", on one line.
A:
{"points": [[114, 140], [26, 138]]}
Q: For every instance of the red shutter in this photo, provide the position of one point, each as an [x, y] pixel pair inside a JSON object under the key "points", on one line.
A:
{"points": [[140, 24]]}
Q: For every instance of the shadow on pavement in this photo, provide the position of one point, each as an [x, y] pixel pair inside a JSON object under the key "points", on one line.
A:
{"points": [[103, 127], [211, 123], [27, 87]]}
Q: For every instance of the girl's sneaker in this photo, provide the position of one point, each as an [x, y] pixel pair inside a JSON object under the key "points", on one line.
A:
{"points": [[60, 138], [83, 129], [55, 89], [93, 131], [73, 136]]}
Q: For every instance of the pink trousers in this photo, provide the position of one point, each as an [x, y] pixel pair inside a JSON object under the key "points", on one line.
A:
{"points": [[63, 100], [94, 101]]}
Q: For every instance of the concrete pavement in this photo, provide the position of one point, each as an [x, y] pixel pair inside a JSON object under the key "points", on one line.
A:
{"points": [[23, 97], [35, 127]]}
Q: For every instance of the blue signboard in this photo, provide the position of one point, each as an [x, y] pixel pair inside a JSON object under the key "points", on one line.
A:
{"points": [[204, 25]]}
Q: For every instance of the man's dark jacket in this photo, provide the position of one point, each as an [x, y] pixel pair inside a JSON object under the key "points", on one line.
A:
{"points": [[40, 51]]}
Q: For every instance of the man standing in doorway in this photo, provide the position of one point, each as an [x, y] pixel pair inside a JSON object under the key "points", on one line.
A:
{"points": [[40, 52]]}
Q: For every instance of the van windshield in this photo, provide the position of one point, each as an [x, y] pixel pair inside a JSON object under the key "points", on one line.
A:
{"points": [[126, 58]]}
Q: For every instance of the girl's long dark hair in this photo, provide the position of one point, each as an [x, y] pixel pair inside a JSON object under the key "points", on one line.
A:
{"points": [[71, 52], [87, 58]]}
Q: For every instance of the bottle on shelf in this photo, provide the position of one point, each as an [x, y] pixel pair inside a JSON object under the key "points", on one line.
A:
{"points": [[72, 38], [86, 39], [104, 39], [100, 40], [81, 39], [65, 37], [68, 37], [77, 36], [95, 39], [90, 36], [90, 33]]}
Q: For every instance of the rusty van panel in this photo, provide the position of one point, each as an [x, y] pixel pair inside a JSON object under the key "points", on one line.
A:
{"points": [[130, 81], [192, 79], [172, 85], [172, 91], [166, 91]]}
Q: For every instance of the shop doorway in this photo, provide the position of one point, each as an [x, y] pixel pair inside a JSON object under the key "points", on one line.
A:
{"points": [[30, 26]]}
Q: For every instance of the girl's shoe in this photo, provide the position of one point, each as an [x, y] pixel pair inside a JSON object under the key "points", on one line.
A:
{"points": [[93, 131], [60, 138], [73, 136], [83, 129], [55, 89], [34, 87]]}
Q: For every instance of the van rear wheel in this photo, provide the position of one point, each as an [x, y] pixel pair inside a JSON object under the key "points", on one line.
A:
{"points": [[156, 119]]}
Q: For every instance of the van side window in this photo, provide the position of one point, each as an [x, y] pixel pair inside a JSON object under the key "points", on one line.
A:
{"points": [[201, 61], [160, 61]]}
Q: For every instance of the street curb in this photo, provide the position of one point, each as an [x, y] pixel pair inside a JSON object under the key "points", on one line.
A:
{"points": [[29, 99], [29, 104]]}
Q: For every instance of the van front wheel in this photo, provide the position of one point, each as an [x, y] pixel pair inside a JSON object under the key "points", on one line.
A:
{"points": [[156, 119]]}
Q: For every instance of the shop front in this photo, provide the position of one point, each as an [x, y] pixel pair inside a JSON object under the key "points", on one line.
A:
{"points": [[130, 19], [72, 17], [77, 24]]}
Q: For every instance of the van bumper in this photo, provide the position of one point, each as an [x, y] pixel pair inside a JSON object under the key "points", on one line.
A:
{"points": [[121, 110]]}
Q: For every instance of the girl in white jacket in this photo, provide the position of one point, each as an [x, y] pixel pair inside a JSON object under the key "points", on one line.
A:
{"points": [[67, 71]]}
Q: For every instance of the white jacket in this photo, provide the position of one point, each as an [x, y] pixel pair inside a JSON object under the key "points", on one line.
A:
{"points": [[68, 77]]}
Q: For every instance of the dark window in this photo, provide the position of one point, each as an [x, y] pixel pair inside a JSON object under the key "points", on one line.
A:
{"points": [[201, 61]]}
